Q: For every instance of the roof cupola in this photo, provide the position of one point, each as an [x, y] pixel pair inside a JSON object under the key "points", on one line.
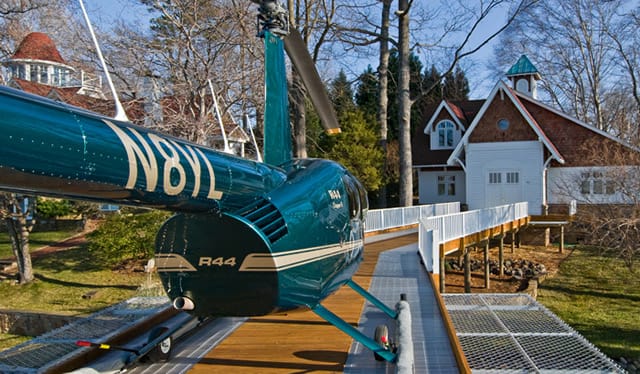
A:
{"points": [[524, 76]]}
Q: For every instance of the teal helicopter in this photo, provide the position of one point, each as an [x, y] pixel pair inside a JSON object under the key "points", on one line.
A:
{"points": [[247, 238]]}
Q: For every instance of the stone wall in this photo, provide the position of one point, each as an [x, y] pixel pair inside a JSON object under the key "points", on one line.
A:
{"points": [[20, 322]]}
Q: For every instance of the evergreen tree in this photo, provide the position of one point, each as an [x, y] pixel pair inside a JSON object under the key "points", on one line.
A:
{"points": [[456, 86], [356, 147], [432, 78], [431, 81], [341, 93], [366, 94]]}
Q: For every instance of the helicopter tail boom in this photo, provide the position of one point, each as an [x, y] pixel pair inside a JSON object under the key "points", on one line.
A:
{"points": [[56, 149]]}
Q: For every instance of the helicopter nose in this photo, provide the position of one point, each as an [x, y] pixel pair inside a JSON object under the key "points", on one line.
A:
{"points": [[183, 303]]}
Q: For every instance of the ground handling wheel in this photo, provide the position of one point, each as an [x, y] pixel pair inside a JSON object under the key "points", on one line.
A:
{"points": [[162, 351], [381, 336]]}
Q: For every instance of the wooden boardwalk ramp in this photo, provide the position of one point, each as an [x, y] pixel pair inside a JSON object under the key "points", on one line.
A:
{"points": [[298, 342]]}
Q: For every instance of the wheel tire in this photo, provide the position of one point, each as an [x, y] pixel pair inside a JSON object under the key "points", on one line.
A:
{"points": [[381, 336], [162, 351]]}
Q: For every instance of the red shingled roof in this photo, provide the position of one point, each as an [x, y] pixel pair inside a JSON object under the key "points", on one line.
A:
{"points": [[38, 46]]}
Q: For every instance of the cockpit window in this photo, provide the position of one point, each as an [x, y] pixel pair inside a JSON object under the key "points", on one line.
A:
{"points": [[364, 199], [358, 202]]}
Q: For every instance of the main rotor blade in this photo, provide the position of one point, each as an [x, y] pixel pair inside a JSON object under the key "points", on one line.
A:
{"points": [[299, 56]]}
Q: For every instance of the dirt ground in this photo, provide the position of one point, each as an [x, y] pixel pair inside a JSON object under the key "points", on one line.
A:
{"points": [[549, 256]]}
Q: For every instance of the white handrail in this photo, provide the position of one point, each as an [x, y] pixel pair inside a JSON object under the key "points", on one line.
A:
{"points": [[382, 219], [441, 229]]}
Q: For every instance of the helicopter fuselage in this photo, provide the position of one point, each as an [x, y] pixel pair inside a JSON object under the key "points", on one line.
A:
{"points": [[247, 238]]}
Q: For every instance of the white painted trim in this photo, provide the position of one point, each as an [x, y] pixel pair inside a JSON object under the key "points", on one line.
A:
{"points": [[285, 260], [30, 61], [577, 121], [428, 129], [502, 88]]}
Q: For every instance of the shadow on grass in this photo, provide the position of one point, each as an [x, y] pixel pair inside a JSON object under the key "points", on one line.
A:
{"points": [[74, 259], [592, 293], [613, 341], [77, 284]]}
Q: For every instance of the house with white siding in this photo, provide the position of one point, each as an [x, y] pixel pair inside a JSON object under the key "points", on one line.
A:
{"points": [[511, 147]]}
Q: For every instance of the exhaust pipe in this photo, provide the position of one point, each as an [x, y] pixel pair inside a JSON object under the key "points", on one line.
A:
{"points": [[183, 303]]}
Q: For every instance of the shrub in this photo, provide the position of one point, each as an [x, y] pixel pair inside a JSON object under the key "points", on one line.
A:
{"points": [[53, 208], [124, 237]]}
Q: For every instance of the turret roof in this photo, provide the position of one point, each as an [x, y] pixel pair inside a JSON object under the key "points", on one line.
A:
{"points": [[38, 46], [522, 67]]}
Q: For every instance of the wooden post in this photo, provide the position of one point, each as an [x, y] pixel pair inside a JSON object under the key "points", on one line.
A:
{"points": [[501, 255], [442, 267], [467, 271], [561, 238], [487, 271], [513, 241]]}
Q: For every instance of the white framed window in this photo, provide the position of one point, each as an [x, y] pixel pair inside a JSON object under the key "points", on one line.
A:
{"points": [[445, 130], [495, 178], [446, 185], [44, 74], [33, 73], [595, 183], [513, 177]]}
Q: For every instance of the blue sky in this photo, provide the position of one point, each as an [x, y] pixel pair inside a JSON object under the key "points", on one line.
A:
{"points": [[105, 12]]}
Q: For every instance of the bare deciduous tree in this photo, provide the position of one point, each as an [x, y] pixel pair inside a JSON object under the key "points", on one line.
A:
{"points": [[17, 19], [315, 21], [607, 190], [588, 55], [15, 211], [443, 38], [191, 43]]}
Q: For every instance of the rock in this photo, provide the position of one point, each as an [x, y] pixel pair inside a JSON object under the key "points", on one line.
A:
{"points": [[517, 274]]}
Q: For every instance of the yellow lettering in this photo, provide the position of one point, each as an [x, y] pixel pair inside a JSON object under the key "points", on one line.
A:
{"points": [[204, 261], [171, 162], [213, 194], [192, 159], [135, 155]]}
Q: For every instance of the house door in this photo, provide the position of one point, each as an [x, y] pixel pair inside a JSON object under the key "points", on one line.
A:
{"points": [[503, 187]]}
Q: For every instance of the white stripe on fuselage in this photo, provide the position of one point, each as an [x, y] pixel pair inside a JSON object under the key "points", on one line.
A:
{"points": [[289, 259]]}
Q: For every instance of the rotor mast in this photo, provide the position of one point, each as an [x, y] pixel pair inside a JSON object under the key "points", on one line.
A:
{"points": [[273, 26]]}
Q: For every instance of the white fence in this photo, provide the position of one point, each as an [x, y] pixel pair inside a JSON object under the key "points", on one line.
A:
{"points": [[382, 219], [441, 229]]}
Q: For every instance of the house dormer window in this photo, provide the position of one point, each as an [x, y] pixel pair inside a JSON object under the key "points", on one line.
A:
{"points": [[445, 135]]}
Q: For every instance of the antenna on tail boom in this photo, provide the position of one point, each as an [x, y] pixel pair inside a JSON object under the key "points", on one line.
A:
{"points": [[120, 113], [219, 116]]}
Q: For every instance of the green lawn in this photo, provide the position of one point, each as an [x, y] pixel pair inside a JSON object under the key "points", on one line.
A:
{"points": [[599, 297], [62, 278], [36, 240]]}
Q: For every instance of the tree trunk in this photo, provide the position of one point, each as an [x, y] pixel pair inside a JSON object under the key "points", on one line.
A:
{"points": [[19, 234], [404, 106], [299, 112], [383, 100], [15, 217], [467, 270]]}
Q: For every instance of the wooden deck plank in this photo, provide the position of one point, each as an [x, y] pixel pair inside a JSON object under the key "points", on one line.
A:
{"points": [[298, 342]]}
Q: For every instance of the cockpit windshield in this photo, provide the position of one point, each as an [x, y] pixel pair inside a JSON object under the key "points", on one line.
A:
{"points": [[358, 201]]}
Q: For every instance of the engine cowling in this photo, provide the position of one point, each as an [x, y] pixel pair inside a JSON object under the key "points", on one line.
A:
{"points": [[199, 259]]}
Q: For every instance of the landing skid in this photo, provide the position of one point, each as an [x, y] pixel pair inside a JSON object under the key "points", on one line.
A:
{"points": [[371, 343]]}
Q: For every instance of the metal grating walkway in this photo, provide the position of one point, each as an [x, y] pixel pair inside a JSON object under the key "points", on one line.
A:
{"points": [[512, 333], [399, 271], [42, 353]]}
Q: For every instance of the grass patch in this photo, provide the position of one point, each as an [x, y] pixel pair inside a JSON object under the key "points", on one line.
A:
{"points": [[10, 340], [36, 240], [599, 297], [62, 278]]}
